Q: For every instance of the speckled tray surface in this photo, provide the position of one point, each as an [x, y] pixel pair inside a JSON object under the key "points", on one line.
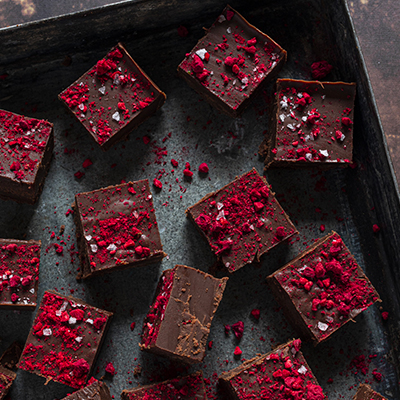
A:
{"points": [[39, 60]]}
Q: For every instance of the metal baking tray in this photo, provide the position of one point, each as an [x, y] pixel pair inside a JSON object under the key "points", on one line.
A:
{"points": [[43, 58]]}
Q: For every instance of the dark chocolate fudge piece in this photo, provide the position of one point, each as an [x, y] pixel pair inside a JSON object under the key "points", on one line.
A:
{"points": [[64, 339], [365, 392], [113, 97], [179, 320], [19, 273], [241, 221], [95, 390], [322, 289], [6, 380], [230, 63], [116, 228], [190, 387], [280, 374], [26, 148], [311, 124]]}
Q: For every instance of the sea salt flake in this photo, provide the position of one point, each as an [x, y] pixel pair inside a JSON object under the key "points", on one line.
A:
{"points": [[116, 116], [72, 320], [229, 29], [220, 206], [81, 106], [302, 370], [89, 321], [94, 248], [322, 327], [201, 53], [102, 90], [32, 290], [282, 117], [309, 156], [47, 332], [79, 339], [304, 118], [88, 237], [112, 247], [291, 127], [324, 153], [221, 18]]}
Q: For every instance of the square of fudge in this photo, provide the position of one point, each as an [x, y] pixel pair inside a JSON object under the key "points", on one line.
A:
{"points": [[114, 97], [116, 228], [311, 123], [282, 373], [322, 289], [26, 148], [190, 387], [365, 392], [94, 390], [231, 62], [179, 320], [241, 221], [19, 273], [7, 378], [64, 340]]}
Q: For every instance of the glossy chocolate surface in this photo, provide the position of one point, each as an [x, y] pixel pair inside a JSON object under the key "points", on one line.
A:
{"points": [[117, 228], [113, 97], [280, 374], [231, 62], [323, 288], [180, 317], [26, 146], [241, 221], [19, 273], [64, 339], [311, 122], [190, 387]]}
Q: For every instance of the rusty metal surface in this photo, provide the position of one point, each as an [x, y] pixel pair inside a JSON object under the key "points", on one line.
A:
{"points": [[42, 58]]}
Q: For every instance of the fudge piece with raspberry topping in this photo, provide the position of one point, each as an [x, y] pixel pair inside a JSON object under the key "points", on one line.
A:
{"points": [[231, 62], [26, 148], [113, 97], [311, 124], [64, 340], [190, 387], [281, 374], [179, 320], [19, 273], [365, 392], [116, 228], [322, 289], [241, 221]]}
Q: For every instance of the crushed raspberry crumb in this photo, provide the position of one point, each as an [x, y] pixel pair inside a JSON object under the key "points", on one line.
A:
{"points": [[237, 351], [110, 369], [237, 329], [203, 168]]}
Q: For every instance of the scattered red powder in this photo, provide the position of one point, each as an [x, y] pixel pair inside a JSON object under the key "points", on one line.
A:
{"points": [[79, 174], [110, 369], [87, 163], [322, 228], [238, 328], [203, 168], [320, 69], [182, 31], [255, 313], [376, 228], [133, 324], [210, 344], [157, 184]]}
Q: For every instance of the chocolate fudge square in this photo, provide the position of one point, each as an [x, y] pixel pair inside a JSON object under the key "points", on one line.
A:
{"points": [[231, 62], [26, 148], [113, 97], [64, 340], [179, 320], [7, 378], [311, 124], [116, 228], [241, 221], [190, 387], [19, 273], [322, 289], [281, 374], [94, 390], [365, 392]]}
